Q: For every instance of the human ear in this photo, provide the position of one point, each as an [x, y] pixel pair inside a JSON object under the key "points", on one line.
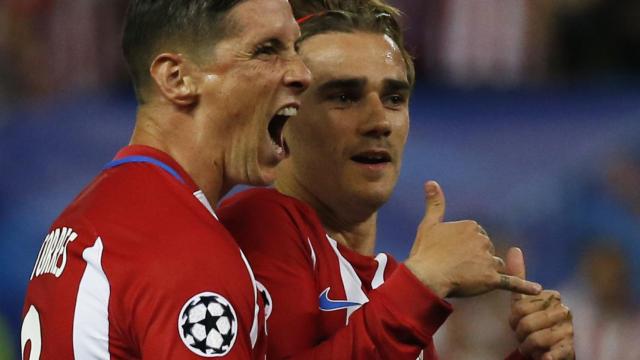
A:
{"points": [[172, 76]]}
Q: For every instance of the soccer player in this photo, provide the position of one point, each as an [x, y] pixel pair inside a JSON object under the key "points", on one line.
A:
{"points": [[138, 266], [311, 240]]}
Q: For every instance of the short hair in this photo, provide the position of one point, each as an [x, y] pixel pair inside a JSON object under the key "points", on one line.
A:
{"points": [[347, 16], [155, 26]]}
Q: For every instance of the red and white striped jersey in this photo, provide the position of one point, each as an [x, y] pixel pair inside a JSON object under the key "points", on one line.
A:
{"points": [[138, 267], [327, 301]]}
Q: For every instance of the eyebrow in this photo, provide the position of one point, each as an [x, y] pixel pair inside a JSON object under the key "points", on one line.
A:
{"points": [[342, 84], [393, 85], [389, 85]]}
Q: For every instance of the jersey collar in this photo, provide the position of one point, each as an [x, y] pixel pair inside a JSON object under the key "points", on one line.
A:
{"points": [[162, 157]]}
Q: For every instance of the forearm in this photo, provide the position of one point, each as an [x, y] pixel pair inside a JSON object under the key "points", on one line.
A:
{"points": [[398, 322]]}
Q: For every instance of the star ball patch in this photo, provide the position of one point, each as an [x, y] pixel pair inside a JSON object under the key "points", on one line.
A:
{"points": [[208, 325]]}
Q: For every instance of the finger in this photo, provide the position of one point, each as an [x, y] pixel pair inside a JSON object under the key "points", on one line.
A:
{"points": [[543, 340], [541, 320], [492, 248], [533, 304], [436, 203], [563, 350], [514, 284], [482, 231], [500, 266], [515, 267]]}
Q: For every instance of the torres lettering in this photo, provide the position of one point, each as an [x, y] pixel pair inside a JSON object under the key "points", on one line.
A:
{"points": [[53, 254]]}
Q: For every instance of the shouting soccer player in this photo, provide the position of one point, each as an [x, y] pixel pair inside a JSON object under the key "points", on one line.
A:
{"points": [[311, 240], [138, 266]]}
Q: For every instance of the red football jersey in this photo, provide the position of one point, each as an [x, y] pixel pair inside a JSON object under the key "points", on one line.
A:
{"points": [[138, 267], [327, 301]]}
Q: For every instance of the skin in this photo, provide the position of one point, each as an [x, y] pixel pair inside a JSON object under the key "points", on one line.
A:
{"points": [[542, 323], [354, 107], [211, 115]]}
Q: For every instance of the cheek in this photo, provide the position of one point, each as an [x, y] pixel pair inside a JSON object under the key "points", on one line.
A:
{"points": [[401, 131], [260, 75]]}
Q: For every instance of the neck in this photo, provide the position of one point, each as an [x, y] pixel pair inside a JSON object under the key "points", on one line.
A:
{"points": [[176, 133], [359, 237], [353, 228]]}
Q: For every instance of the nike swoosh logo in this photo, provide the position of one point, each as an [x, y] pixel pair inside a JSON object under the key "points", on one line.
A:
{"points": [[327, 304]]}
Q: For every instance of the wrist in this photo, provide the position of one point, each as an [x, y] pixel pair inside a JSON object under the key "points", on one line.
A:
{"points": [[429, 278]]}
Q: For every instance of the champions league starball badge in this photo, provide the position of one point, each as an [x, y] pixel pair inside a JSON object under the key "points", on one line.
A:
{"points": [[208, 325]]}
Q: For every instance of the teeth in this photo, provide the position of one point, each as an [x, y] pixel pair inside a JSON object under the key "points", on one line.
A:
{"points": [[288, 111]]}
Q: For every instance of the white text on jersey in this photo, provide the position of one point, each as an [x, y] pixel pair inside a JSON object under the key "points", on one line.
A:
{"points": [[53, 248]]}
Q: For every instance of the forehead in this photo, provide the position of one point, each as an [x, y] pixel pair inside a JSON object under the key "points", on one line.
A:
{"points": [[249, 20], [349, 55]]}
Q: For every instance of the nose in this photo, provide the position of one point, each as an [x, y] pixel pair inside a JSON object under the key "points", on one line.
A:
{"points": [[298, 76], [376, 123]]}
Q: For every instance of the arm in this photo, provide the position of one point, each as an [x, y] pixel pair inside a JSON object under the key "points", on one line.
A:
{"points": [[397, 322], [177, 299]]}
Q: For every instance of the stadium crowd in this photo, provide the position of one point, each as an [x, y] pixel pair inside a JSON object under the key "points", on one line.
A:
{"points": [[580, 229]]}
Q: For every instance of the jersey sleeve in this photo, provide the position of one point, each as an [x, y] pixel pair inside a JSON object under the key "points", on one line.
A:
{"points": [[397, 322], [270, 240], [185, 306]]}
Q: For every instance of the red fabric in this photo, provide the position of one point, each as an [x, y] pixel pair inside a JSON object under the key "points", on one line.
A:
{"points": [[281, 236], [301, 20], [161, 248], [517, 355]]}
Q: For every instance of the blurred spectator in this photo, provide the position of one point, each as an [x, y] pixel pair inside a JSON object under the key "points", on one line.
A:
{"points": [[48, 47], [479, 328], [422, 24], [53, 46], [606, 319], [476, 49], [608, 207], [597, 37], [507, 43], [484, 42]]}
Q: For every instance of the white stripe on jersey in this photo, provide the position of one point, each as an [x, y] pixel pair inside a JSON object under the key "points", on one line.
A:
{"points": [[256, 309], [378, 278], [313, 253], [254, 327], [203, 200], [350, 281], [91, 317]]}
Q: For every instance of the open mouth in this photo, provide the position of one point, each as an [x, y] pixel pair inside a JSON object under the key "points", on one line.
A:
{"points": [[372, 157], [276, 125]]}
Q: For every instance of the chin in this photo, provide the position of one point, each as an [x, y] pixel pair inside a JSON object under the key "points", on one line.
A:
{"points": [[375, 199]]}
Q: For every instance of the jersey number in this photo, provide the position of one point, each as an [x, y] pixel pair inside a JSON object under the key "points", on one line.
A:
{"points": [[31, 332]]}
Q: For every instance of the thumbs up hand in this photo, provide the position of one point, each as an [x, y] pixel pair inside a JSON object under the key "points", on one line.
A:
{"points": [[543, 324], [457, 259]]}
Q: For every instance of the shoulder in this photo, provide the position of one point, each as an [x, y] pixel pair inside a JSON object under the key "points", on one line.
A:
{"points": [[139, 210], [257, 200], [263, 210], [136, 185], [264, 221]]}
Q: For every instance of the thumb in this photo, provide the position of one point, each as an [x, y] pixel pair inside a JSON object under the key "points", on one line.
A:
{"points": [[436, 203], [515, 267]]}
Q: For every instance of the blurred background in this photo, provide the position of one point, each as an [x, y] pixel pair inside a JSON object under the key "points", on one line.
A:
{"points": [[526, 112]]}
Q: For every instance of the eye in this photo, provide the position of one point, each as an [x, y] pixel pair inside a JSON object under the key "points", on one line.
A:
{"points": [[343, 98], [266, 49], [395, 100]]}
